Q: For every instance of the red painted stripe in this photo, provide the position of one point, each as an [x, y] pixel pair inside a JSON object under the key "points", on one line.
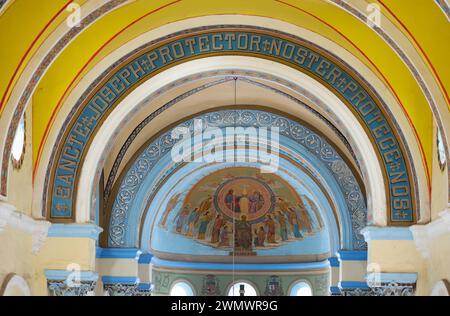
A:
{"points": [[41, 145], [22, 60], [423, 53]]}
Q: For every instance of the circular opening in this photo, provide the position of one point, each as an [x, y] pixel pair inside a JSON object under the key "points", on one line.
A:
{"points": [[301, 289], [242, 289], [181, 289], [18, 145]]}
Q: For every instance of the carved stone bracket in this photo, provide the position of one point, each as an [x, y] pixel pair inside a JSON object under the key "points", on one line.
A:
{"points": [[61, 288]]}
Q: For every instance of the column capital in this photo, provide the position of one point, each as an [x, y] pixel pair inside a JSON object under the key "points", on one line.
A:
{"points": [[71, 283], [124, 286]]}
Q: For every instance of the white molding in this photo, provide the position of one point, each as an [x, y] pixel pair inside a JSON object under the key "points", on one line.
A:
{"points": [[425, 234], [9, 216]]}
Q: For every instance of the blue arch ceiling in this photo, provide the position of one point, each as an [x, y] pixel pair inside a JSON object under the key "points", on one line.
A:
{"points": [[152, 173], [125, 75]]}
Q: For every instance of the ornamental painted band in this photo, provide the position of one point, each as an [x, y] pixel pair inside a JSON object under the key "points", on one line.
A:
{"points": [[257, 43]]}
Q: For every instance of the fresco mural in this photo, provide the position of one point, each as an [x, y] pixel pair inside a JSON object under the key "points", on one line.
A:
{"points": [[241, 210]]}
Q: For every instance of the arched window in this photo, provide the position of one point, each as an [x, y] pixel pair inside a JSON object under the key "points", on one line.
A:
{"points": [[301, 288], [18, 145], [181, 288], [242, 289]]}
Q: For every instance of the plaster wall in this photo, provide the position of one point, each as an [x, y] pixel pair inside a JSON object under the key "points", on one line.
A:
{"points": [[15, 255]]}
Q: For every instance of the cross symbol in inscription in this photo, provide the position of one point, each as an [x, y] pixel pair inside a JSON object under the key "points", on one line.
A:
{"points": [[342, 82], [62, 207], [266, 45], [145, 64], [88, 121], [402, 214]]}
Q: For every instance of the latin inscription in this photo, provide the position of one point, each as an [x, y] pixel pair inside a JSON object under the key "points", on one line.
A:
{"points": [[75, 144]]}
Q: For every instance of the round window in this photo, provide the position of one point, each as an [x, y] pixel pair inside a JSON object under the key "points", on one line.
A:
{"points": [[301, 289]]}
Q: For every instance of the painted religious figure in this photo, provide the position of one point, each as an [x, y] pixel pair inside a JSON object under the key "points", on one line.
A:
{"points": [[238, 210], [260, 237], [270, 227], [283, 225], [256, 202], [205, 205], [181, 219], [170, 206], [219, 222], [232, 201], [192, 221], [224, 237], [294, 223], [204, 220], [243, 234], [305, 218]]}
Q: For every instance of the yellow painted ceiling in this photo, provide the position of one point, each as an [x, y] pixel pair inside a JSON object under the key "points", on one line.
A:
{"points": [[140, 16], [427, 27]]}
